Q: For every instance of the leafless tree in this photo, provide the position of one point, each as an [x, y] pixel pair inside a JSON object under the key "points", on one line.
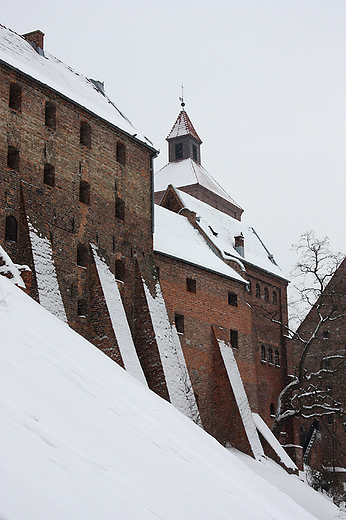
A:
{"points": [[311, 391]]}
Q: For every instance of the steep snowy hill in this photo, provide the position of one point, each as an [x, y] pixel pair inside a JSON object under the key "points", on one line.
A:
{"points": [[82, 439]]}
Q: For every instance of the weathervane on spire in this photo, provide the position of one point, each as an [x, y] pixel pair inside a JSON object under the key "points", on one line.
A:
{"points": [[182, 96]]}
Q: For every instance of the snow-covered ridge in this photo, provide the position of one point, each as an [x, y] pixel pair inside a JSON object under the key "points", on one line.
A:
{"points": [[48, 70], [81, 438]]}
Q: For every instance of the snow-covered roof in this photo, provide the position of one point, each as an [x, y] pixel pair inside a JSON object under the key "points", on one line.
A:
{"points": [[175, 236], [187, 173], [48, 70], [222, 229], [183, 126]]}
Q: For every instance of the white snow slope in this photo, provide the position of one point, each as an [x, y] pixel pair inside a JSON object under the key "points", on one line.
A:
{"points": [[83, 439]]}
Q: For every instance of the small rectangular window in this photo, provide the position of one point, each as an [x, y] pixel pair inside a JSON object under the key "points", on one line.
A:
{"points": [[120, 269], [179, 323], [119, 208], [50, 115], [179, 151], [82, 308], [85, 134], [234, 338], [326, 334], [13, 158], [15, 100], [49, 175], [84, 192], [191, 285], [121, 153], [232, 299]]}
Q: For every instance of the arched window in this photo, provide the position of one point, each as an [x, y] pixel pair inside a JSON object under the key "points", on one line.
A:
{"points": [[50, 115], [11, 228], [266, 293], [121, 153], [82, 255], [15, 99], [275, 297], [85, 134], [258, 290], [277, 357], [13, 158], [263, 354], [120, 269], [270, 356], [272, 410]]}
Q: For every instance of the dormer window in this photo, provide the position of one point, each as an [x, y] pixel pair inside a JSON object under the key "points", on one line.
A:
{"points": [[178, 151]]}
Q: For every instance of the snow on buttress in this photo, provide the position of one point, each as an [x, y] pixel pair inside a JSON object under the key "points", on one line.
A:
{"points": [[177, 377], [118, 317], [272, 440], [47, 281], [82, 439], [12, 269], [241, 399]]}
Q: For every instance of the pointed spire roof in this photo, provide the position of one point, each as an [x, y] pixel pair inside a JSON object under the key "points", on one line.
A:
{"points": [[183, 126]]}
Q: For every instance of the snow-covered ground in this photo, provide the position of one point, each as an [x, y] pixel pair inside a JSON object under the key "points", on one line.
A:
{"points": [[82, 439]]}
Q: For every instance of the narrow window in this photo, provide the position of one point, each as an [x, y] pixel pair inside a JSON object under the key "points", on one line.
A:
{"points": [[326, 334], [272, 410], [277, 357], [266, 293], [11, 228], [234, 338], [194, 152], [179, 323], [15, 100], [119, 208], [84, 192], [13, 158], [113, 244], [191, 285], [121, 153], [263, 354], [49, 175], [50, 115], [82, 308], [270, 356], [85, 134], [82, 255], [179, 151], [275, 297], [232, 299], [258, 290], [120, 269]]}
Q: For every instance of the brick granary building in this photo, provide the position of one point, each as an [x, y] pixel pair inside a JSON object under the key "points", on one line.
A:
{"points": [[176, 291]]}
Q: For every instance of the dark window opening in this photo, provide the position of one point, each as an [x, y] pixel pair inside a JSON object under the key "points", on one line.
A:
{"points": [[194, 152], [113, 244], [179, 323], [72, 225], [15, 100], [272, 410], [85, 134], [120, 269], [277, 358], [270, 356], [266, 293], [84, 192], [11, 228], [13, 158], [50, 115], [275, 297], [234, 338], [49, 175], [82, 255], [258, 291], [326, 334], [191, 285], [179, 151], [121, 153], [119, 208], [232, 299], [82, 308], [263, 354]]}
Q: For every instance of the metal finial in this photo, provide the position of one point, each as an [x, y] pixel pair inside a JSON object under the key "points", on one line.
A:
{"points": [[182, 96]]}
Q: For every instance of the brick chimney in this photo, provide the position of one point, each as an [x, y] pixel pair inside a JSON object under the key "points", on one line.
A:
{"points": [[239, 244], [35, 38]]}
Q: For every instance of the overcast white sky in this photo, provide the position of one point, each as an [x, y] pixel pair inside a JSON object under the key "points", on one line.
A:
{"points": [[265, 86]]}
